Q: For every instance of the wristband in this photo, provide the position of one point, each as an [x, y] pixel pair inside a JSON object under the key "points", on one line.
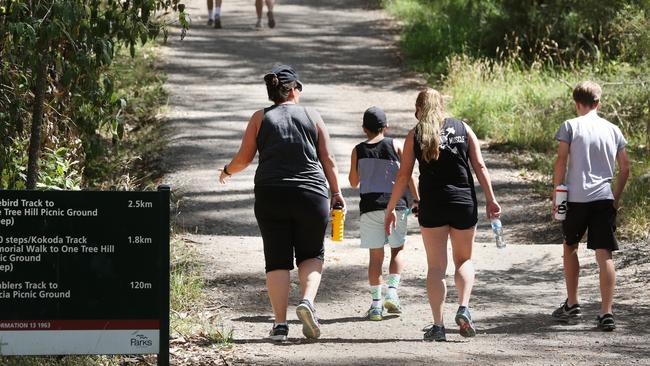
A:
{"points": [[336, 194], [225, 170]]}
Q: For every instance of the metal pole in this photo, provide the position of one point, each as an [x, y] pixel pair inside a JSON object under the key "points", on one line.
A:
{"points": [[163, 353]]}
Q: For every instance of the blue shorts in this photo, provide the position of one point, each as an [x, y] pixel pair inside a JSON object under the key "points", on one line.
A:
{"points": [[373, 235]]}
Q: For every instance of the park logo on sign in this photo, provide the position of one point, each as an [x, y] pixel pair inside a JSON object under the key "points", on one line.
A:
{"points": [[141, 341]]}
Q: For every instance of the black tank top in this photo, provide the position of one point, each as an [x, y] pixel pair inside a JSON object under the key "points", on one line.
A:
{"points": [[448, 179], [287, 143], [377, 164]]}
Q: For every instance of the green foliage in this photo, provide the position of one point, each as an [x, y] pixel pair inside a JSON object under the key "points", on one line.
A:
{"points": [[555, 32], [76, 41]]}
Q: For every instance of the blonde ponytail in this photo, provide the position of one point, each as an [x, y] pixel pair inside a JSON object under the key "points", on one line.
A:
{"points": [[431, 117]]}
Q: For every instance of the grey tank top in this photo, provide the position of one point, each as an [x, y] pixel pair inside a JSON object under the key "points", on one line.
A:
{"points": [[287, 143]]}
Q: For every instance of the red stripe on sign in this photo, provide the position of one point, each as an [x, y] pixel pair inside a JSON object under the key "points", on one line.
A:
{"points": [[79, 324], [561, 190]]}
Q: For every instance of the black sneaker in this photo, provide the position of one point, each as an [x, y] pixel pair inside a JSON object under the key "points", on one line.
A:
{"points": [[210, 22], [279, 332], [435, 333], [271, 19], [606, 322], [307, 315], [566, 313], [217, 22], [464, 321]]}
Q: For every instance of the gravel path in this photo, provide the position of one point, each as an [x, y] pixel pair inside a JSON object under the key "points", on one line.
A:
{"points": [[346, 54]]}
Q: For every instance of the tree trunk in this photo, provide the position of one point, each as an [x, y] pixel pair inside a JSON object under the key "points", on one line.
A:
{"points": [[647, 132], [37, 121]]}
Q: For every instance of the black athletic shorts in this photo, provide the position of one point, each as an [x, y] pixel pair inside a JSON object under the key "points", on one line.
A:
{"points": [[291, 220], [458, 216], [597, 216]]}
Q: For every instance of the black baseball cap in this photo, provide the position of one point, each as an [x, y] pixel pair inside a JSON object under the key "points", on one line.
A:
{"points": [[374, 118], [286, 74]]}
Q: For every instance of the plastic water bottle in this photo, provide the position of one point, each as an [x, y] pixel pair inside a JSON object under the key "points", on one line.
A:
{"points": [[498, 233], [561, 197], [338, 222]]}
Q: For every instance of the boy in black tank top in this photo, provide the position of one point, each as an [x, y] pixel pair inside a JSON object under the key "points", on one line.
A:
{"points": [[374, 167]]}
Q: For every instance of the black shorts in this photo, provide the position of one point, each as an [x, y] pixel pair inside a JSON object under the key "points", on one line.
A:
{"points": [[290, 219], [458, 216], [597, 216]]}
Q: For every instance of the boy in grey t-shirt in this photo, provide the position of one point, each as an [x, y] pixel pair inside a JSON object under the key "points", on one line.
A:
{"points": [[591, 146]]}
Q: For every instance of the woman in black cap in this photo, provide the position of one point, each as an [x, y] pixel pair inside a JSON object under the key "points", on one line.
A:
{"points": [[292, 201], [445, 148]]}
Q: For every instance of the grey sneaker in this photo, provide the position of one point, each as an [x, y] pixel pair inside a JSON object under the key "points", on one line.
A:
{"points": [[306, 313], [279, 332], [435, 333], [258, 25], [567, 313], [464, 321]]}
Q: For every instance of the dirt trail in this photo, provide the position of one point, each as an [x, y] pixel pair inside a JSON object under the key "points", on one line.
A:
{"points": [[346, 54]]}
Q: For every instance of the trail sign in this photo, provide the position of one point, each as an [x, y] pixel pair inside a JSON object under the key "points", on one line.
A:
{"points": [[84, 272]]}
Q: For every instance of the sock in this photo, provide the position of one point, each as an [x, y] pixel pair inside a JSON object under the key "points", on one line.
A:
{"points": [[462, 308], [393, 284], [276, 324], [210, 14], [217, 11], [375, 292]]}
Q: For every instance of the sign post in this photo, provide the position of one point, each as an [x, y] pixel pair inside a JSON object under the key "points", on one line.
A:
{"points": [[84, 272]]}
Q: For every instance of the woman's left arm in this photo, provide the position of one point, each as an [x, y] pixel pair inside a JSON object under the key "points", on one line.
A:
{"points": [[492, 208], [247, 149]]}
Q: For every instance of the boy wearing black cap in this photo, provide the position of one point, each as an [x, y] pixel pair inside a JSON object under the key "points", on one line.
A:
{"points": [[374, 167]]}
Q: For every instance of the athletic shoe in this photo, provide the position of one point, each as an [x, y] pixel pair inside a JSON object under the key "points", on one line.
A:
{"points": [[606, 322], [258, 25], [392, 304], [279, 332], [271, 19], [217, 23], [566, 313], [435, 333], [306, 313], [210, 22], [375, 313], [464, 321]]}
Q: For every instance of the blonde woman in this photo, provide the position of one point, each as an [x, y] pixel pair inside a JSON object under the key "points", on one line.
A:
{"points": [[444, 148]]}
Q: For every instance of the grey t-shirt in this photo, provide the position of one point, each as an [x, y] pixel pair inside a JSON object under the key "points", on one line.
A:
{"points": [[594, 143]]}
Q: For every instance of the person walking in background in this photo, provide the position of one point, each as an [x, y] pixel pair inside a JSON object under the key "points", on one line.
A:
{"points": [[444, 148], [291, 195], [374, 167], [259, 8], [214, 13], [591, 146]]}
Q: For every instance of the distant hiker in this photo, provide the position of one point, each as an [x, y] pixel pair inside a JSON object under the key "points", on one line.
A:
{"points": [[591, 146], [445, 148], [374, 166], [214, 17], [259, 8], [291, 195]]}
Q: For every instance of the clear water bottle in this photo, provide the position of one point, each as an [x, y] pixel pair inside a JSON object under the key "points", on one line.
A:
{"points": [[498, 233]]}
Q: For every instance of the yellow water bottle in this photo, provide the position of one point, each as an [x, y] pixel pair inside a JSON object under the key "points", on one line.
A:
{"points": [[338, 222]]}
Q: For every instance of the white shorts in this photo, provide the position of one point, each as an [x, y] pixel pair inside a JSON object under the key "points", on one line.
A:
{"points": [[373, 235]]}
